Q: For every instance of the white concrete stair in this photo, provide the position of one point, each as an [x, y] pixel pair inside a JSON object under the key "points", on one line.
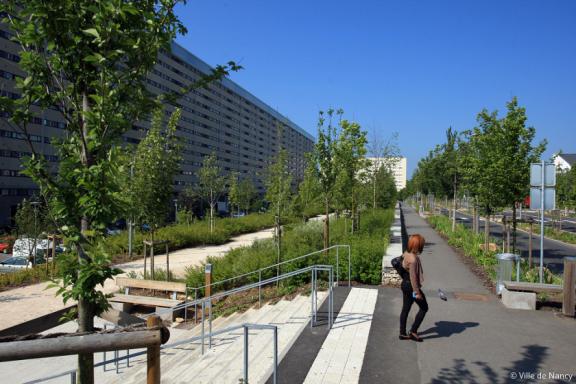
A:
{"points": [[342, 353], [223, 363]]}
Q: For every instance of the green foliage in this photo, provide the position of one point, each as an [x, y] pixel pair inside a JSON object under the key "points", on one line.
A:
{"points": [[155, 164], [247, 194], [184, 216], [307, 202], [28, 276], [367, 248], [190, 235], [81, 277], [467, 241], [233, 191], [566, 189], [210, 183], [278, 181]]}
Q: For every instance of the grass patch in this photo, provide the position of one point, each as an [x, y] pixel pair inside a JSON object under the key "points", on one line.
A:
{"points": [[367, 247], [552, 233], [469, 243]]}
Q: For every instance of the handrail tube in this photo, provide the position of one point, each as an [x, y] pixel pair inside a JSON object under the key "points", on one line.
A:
{"points": [[234, 290], [166, 346], [336, 246]]}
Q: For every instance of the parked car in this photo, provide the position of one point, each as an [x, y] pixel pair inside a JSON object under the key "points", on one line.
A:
{"points": [[13, 264], [25, 247], [4, 247]]}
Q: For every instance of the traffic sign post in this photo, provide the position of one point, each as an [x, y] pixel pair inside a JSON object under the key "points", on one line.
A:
{"points": [[543, 197]]}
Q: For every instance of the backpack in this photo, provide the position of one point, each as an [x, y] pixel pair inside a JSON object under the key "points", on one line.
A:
{"points": [[397, 265]]}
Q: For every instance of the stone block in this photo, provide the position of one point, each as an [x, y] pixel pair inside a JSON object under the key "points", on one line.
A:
{"points": [[518, 300]]}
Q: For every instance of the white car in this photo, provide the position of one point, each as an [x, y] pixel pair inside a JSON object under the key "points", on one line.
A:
{"points": [[13, 264]]}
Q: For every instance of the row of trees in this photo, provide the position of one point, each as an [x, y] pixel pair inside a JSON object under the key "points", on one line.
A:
{"points": [[566, 189], [489, 164]]}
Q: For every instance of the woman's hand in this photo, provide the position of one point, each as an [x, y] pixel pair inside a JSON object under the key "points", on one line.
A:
{"points": [[419, 295]]}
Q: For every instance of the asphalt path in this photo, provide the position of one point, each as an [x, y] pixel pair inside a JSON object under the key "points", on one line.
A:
{"points": [[554, 251]]}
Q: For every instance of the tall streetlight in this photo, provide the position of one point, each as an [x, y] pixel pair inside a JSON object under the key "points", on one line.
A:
{"points": [[35, 205], [176, 210]]}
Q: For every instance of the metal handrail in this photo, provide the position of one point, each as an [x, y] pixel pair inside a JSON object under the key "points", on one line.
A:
{"points": [[336, 246], [313, 318], [245, 326]]}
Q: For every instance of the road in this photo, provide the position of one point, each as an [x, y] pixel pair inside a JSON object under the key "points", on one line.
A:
{"points": [[568, 223], [554, 251]]}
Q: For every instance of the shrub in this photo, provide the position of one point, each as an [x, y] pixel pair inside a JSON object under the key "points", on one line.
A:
{"points": [[367, 247]]}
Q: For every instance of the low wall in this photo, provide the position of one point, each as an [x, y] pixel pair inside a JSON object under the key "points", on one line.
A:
{"points": [[398, 239]]}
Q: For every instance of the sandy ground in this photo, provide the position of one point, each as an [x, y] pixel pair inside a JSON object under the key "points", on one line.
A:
{"points": [[22, 304]]}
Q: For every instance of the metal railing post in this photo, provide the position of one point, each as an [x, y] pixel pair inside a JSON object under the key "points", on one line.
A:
{"points": [[315, 296], [203, 307], [330, 300], [349, 266], [195, 306], [337, 263], [210, 324], [275, 375], [73, 377], [259, 289], [312, 299], [245, 355]]}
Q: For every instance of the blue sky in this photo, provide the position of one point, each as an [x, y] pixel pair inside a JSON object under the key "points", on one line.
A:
{"points": [[412, 67]]}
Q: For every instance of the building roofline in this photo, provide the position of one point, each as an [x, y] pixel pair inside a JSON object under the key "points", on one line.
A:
{"points": [[204, 67]]}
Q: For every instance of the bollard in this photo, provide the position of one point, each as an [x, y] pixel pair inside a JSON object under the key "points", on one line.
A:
{"points": [[568, 297]]}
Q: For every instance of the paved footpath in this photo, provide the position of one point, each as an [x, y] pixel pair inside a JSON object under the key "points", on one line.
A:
{"points": [[31, 302], [471, 338]]}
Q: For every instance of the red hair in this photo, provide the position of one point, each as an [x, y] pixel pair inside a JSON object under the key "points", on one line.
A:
{"points": [[416, 243]]}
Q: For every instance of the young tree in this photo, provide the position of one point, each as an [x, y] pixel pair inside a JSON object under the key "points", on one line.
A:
{"points": [[384, 154], [155, 164], [325, 160], [89, 61], [350, 154], [246, 194], [211, 184], [278, 193], [308, 192], [233, 192]]}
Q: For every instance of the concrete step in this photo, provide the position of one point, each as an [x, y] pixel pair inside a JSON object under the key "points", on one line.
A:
{"points": [[172, 357], [229, 369], [137, 370], [197, 369], [262, 367]]}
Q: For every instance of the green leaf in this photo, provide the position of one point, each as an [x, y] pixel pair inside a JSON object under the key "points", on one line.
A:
{"points": [[92, 32]]}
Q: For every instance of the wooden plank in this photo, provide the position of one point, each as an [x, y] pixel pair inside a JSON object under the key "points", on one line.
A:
{"points": [[568, 296], [532, 287], [73, 345], [151, 284], [144, 300]]}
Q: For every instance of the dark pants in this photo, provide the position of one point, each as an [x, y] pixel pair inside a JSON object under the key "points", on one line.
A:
{"points": [[407, 304]]}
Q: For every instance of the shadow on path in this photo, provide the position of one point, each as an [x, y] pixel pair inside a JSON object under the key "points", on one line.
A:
{"points": [[524, 370], [447, 329]]}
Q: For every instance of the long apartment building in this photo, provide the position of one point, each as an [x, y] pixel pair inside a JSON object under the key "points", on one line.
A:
{"points": [[224, 118]]}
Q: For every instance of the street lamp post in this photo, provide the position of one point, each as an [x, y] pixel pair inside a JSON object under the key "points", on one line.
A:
{"points": [[176, 210]]}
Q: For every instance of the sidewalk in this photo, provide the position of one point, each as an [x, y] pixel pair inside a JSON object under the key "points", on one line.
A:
{"points": [[471, 338], [27, 303]]}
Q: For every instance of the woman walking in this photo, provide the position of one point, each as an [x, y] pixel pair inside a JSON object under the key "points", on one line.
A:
{"points": [[411, 286]]}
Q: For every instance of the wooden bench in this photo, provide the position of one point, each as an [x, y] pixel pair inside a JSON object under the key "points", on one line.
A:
{"points": [[126, 301], [522, 295], [532, 287]]}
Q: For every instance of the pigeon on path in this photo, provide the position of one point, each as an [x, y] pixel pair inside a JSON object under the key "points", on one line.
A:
{"points": [[442, 295]]}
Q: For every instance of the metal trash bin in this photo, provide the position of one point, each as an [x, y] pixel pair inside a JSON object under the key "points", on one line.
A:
{"points": [[504, 272]]}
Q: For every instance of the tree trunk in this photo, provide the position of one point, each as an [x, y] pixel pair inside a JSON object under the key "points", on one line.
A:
{"points": [[486, 231], [454, 208], [85, 308], [211, 217], [374, 194], [514, 223], [327, 226]]}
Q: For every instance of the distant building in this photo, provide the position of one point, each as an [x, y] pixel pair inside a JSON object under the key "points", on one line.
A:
{"points": [[398, 166], [564, 161], [223, 118]]}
